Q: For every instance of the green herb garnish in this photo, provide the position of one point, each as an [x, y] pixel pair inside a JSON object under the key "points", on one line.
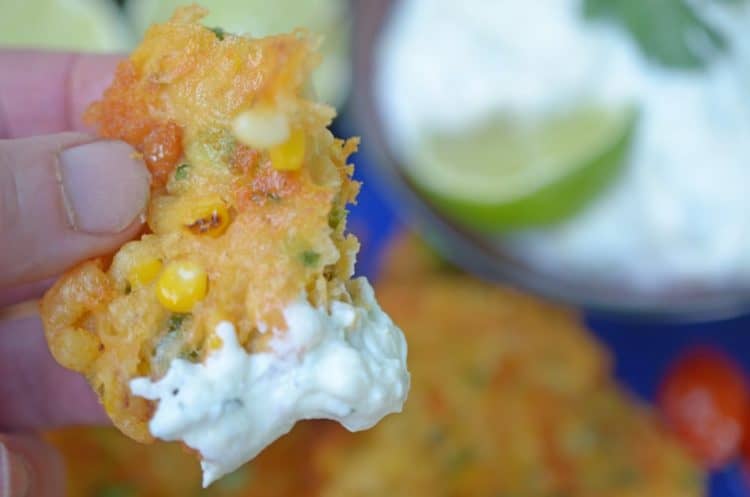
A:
{"points": [[310, 258], [219, 145], [192, 355], [175, 322], [218, 32], [181, 172], [670, 32], [335, 217]]}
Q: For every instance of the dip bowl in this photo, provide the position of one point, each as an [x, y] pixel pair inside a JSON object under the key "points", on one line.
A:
{"points": [[481, 254]]}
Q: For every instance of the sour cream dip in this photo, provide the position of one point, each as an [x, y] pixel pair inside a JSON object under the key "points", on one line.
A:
{"points": [[346, 363], [679, 215]]}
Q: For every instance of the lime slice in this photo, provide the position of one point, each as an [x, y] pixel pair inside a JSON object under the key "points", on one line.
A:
{"points": [[81, 25], [329, 18], [506, 175]]}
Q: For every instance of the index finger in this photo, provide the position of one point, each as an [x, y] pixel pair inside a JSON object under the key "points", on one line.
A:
{"points": [[47, 92]]}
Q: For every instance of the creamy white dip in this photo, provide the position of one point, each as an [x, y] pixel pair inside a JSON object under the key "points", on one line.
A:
{"points": [[346, 364], [680, 214]]}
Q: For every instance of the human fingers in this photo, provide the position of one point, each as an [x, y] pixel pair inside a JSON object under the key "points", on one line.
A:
{"points": [[24, 293], [65, 198], [47, 92], [29, 467], [35, 391]]}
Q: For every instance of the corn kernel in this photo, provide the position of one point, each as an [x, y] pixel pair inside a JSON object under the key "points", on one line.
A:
{"points": [[208, 216], [290, 155], [214, 342], [181, 285], [144, 272], [261, 127]]}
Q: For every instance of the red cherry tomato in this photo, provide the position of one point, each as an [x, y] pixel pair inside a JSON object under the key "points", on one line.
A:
{"points": [[704, 399], [745, 448]]}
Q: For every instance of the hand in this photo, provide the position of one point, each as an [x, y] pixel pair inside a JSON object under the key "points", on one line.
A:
{"points": [[65, 196]]}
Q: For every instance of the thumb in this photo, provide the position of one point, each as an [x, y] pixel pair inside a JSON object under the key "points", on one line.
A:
{"points": [[65, 198], [29, 467]]}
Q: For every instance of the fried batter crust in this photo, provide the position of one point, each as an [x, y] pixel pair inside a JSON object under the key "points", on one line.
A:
{"points": [[174, 101]]}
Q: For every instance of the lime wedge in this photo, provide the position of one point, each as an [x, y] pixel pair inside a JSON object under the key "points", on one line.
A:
{"points": [[506, 175], [329, 18], [81, 25]]}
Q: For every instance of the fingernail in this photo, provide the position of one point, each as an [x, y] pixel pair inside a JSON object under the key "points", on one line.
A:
{"points": [[15, 480], [104, 187]]}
